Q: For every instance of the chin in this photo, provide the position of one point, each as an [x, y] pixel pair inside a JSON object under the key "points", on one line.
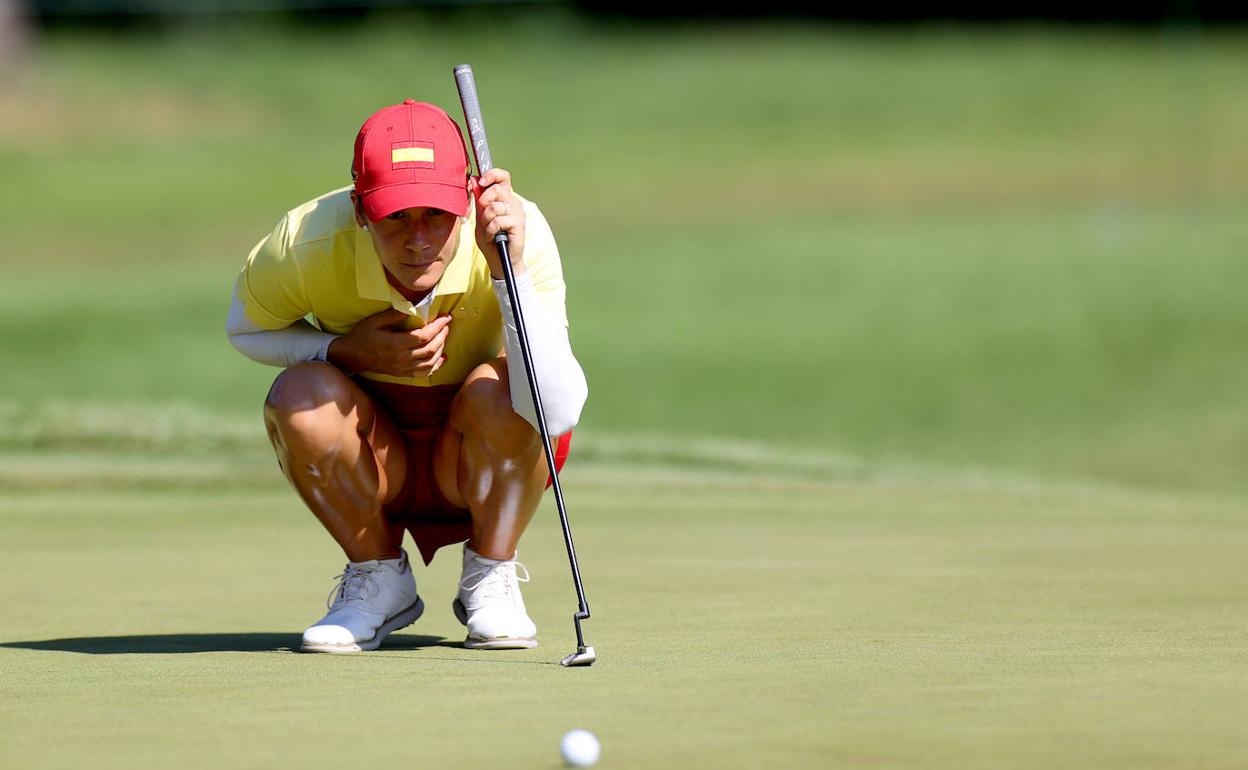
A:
{"points": [[426, 282], [422, 281]]}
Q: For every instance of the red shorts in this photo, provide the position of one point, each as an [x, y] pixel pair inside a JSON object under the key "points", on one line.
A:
{"points": [[420, 413]]}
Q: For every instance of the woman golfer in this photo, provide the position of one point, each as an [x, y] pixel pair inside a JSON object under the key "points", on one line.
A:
{"points": [[395, 411]]}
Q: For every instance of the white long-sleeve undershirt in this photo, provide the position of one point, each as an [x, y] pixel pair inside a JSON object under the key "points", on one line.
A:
{"points": [[301, 341], [559, 376]]}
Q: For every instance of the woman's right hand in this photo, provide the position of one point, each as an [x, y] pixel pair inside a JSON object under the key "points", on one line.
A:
{"points": [[380, 343]]}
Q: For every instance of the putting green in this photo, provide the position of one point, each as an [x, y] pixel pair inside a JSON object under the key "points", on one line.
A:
{"points": [[742, 620]]}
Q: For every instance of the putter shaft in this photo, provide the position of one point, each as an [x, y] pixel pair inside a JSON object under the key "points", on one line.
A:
{"points": [[466, 84]]}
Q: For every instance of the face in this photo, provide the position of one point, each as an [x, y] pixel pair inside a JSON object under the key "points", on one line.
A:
{"points": [[415, 245]]}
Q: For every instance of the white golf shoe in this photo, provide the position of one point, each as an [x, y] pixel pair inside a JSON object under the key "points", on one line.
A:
{"points": [[490, 604], [372, 599]]}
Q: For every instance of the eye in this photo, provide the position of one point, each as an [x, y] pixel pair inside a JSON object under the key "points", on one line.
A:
{"points": [[398, 215]]}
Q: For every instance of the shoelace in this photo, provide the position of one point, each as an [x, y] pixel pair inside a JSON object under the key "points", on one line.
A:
{"points": [[352, 584], [493, 579]]}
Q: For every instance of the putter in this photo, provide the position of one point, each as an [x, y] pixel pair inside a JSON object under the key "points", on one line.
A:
{"points": [[584, 655]]}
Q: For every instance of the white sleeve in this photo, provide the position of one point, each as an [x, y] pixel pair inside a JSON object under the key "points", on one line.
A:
{"points": [[301, 341], [559, 376]]}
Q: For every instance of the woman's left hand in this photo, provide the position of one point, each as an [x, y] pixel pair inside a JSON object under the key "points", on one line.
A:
{"points": [[499, 210]]}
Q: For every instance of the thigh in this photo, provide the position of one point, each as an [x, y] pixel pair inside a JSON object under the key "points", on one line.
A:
{"points": [[447, 455], [389, 450], [320, 393], [448, 448]]}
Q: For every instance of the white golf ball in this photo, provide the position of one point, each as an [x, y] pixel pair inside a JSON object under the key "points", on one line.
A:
{"points": [[579, 748]]}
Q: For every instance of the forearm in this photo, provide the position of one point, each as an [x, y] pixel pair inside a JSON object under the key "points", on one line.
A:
{"points": [[284, 347], [559, 376]]}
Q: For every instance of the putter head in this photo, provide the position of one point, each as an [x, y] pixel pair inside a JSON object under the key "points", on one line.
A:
{"points": [[584, 656]]}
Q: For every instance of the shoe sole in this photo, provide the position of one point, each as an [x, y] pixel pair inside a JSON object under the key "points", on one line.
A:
{"points": [[496, 643], [401, 620]]}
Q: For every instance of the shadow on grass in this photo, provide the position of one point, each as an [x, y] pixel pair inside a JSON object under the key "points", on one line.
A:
{"points": [[175, 643]]}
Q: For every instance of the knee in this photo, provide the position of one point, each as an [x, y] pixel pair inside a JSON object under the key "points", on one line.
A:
{"points": [[483, 409], [297, 408]]}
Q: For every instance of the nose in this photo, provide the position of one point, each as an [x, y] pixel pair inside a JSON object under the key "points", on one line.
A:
{"points": [[418, 238]]}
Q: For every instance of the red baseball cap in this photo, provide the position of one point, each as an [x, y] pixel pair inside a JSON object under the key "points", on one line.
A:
{"points": [[410, 154]]}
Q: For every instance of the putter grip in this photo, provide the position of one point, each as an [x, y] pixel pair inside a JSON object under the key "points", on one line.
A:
{"points": [[467, 86]]}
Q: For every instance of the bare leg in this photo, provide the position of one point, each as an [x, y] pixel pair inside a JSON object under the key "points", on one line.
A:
{"points": [[341, 453], [490, 460]]}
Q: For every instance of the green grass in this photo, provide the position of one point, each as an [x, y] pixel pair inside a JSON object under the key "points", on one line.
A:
{"points": [[742, 621], [916, 431]]}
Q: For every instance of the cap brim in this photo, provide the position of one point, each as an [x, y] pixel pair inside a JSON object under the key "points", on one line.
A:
{"points": [[382, 202]]}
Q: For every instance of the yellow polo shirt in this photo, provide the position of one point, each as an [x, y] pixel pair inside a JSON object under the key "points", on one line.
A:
{"points": [[320, 265]]}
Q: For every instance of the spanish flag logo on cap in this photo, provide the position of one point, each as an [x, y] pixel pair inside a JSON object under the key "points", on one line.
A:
{"points": [[411, 155], [402, 153]]}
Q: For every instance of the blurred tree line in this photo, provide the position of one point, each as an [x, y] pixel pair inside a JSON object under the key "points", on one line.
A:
{"points": [[19, 18], [1125, 11]]}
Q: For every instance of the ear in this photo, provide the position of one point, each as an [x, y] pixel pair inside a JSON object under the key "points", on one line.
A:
{"points": [[360, 219]]}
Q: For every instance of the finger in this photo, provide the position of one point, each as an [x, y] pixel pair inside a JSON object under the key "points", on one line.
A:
{"points": [[496, 176], [507, 224], [430, 330], [430, 348], [492, 187], [497, 209], [387, 317], [488, 196], [437, 323], [438, 342], [429, 367]]}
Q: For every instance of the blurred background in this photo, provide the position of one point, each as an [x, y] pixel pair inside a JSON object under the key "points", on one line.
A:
{"points": [[951, 239]]}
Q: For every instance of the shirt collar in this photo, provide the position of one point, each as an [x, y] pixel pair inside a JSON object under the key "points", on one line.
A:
{"points": [[455, 278], [370, 277]]}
